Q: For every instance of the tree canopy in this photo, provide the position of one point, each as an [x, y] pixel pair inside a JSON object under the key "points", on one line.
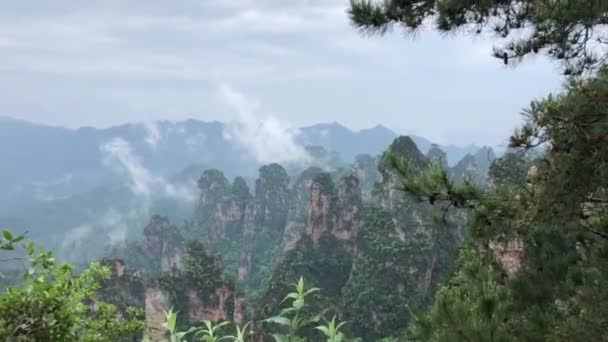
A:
{"points": [[571, 31]]}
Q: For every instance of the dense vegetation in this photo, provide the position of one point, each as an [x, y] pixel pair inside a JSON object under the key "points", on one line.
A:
{"points": [[375, 243]]}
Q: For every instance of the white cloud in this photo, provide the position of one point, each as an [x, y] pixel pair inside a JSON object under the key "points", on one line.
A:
{"points": [[152, 134], [142, 181], [138, 61], [76, 236], [266, 139]]}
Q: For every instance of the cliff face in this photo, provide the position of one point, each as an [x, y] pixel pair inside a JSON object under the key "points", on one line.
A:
{"points": [[191, 281], [370, 248], [438, 156], [322, 207], [199, 291], [271, 198], [124, 287], [245, 230], [401, 250], [221, 207], [271, 207], [350, 204], [474, 168], [392, 245], [323, 252], [365, 168], [162, 243], [297, 217]]}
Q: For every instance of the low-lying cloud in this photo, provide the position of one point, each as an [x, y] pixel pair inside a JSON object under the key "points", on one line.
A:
{"points": [[152, 134], [141, 180], [266, 138]]}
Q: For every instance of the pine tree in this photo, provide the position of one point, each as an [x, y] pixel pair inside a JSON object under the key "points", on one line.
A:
{"points": [[566, 30]]}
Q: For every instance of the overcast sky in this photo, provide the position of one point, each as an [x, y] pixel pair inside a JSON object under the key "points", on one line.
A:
{"points": [[101, 63]]}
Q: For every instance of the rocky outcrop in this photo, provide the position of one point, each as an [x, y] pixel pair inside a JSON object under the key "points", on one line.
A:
{"points": [[214, 308], [438, 156], [162, 243], [199, 291], [474, 168], [365, 168], [350, 204], [401, 250], [124, 288], [157, 301], [322, 207], [323, 251], [297, 217], [221, 207], [245, 257], [509, 254], [271, 197]]}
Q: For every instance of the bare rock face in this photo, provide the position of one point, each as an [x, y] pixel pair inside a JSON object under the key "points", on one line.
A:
{"points": [[404, 150], [331, 210], [215, 309], [298, 208], [157, 301], [272, 197], [350, 203], [322, 207], [366, 171], [245, 259], [163, 241], [438, 156], [124, 287], [198, 290], [221, 207], [465, 169], [509, 254]]}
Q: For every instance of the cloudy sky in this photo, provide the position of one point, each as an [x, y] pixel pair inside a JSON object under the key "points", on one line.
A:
{"points": [[101, 63]]}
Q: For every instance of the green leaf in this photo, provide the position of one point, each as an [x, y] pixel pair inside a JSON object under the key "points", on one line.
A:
{"points": [[323, 329], [7, 235], [278, 320], [30, 247], [279, 338]]}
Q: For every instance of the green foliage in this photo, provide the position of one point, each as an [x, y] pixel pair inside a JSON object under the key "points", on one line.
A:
{"points": [[511, 169], [475, 312], [55, 304], [433, 184], [568, 31], [209, 331], [241, 334], [294, 324], [171, 326], [559, 216], [332, 330], [292, 319], [201, 273], [384, 280], [8, 240]]}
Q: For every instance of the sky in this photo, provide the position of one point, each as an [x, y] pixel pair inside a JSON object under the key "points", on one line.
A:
{"points": [[102, 63]]}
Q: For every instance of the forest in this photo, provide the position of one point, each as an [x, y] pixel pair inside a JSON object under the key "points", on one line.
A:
{"points": [[389, 240]]}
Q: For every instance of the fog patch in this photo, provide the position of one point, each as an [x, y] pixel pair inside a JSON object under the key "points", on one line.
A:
{"points": [[152, 134], [141, 180], [265, 138]]}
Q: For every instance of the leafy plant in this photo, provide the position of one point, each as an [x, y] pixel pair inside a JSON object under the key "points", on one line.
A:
{"points": [[332, 330], [171, 326], [209, 331], [241, 333], [55, 304], [292, 319]]}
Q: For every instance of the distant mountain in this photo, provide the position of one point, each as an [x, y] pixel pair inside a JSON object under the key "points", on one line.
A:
{"points": [[59, 178], [46, 162]]}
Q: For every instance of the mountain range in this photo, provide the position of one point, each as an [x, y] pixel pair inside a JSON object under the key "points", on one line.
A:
{"points": [[57, 178]]}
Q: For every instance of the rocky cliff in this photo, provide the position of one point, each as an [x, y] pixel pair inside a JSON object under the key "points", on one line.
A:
{"points": [[370, 248]]}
